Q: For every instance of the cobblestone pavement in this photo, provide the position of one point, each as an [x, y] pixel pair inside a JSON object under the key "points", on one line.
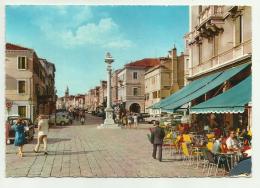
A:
{"points": [[85, 151]]}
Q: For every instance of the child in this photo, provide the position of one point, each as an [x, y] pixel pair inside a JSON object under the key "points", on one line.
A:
{"points": [[19, 139]]}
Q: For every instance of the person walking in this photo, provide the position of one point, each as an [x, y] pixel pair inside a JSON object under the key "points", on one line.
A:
{"points": [[124, 120], [135, 120], [82, 120], [19, 138], [129, 120], [157, 137], [43, 128]]}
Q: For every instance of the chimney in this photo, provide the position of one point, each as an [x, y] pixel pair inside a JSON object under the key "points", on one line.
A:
{"points": [[174, 51]]}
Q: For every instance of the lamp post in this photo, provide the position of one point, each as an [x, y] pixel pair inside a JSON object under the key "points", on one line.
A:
{"points": [[109, 121]]}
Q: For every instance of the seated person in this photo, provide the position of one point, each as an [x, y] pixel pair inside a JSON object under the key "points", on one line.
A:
{"points": [[206, 128], [217, 145], [217, 132], [231, 142]]}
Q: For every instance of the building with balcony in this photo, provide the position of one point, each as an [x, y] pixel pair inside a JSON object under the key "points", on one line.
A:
{"points": [[220, 39], [131, 84]]}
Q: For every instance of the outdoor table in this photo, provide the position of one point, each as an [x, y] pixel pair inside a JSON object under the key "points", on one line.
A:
{"points": [[197, 149], [233, 156]]}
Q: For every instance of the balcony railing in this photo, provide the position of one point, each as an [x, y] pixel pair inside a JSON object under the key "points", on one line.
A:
{"points": [[232, 54], [210, 12]]}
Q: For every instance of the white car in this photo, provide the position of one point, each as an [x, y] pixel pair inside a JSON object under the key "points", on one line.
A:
{"points": [[153, 118]]}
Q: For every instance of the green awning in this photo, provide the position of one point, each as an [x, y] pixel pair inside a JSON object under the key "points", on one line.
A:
{"points": [[218, 79], [231, 101], [191, 87]]}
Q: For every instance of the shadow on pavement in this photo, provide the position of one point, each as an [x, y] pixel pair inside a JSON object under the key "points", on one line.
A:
{"points": [[59, 126], [54, 152], [55, 140], [170, 160], [71, 152]]}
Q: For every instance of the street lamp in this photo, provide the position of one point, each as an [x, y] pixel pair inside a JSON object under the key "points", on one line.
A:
{"points": [[109, 121]]}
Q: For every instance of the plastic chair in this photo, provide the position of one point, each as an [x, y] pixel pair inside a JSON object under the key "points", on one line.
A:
{"points": [[210, 146], [186, 138], [190, 153], [211, 162], [185, 153]]}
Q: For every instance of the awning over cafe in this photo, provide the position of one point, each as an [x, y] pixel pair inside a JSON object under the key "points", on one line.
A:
{"points": [[217, 81], [197, 88], [231, 101], [191, 87]]}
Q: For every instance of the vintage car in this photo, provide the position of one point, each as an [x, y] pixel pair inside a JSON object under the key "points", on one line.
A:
{"points": [[61, 119], [153, 118], [29, 128]]}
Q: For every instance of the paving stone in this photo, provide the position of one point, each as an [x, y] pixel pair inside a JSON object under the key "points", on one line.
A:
{"points": [[85, 151]]}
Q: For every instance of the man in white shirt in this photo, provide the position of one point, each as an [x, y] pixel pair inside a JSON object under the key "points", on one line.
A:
{"points": [[231, 142], [135, 120], [43, 129]]}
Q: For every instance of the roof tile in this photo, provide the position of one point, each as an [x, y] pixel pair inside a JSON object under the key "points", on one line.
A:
{"points": [[10, 46], [148, 62]]}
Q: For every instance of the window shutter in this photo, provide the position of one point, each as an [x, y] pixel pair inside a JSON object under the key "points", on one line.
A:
{"points": [[19, 64], [26, 63]]}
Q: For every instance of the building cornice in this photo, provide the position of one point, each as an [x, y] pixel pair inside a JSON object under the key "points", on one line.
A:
{"points": [[244, 58]]}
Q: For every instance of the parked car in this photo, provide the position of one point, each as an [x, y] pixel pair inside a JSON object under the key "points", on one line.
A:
{"points": [[29, 128], [101, 114], [153, 118], [141, 116], [66, 113], [61, 119], [172, 120]]}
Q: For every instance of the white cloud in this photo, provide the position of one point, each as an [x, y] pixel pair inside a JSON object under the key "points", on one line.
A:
{"points": [[105, 33], [71, 26], [82, 15]]}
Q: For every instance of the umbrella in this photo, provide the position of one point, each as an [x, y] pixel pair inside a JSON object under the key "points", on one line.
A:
{"points": [[243, 167]]}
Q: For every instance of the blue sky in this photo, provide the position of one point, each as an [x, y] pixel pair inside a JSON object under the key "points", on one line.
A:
{"points": [[76, 38]]}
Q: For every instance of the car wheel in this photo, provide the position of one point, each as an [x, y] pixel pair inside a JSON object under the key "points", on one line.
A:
{"points": [[62, 123]]}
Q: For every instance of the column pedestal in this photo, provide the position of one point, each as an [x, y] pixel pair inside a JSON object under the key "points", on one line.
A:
{"points": [[109, 121]]}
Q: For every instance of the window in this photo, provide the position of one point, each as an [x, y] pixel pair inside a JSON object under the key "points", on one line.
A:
{"points": [[147, 97], [154, 94], [187, 63], [21, 86], [135, 75], [238, 30], [21, 63], [215, 45], [135, 91], [22, 111], [158, 94], [200, 53]]}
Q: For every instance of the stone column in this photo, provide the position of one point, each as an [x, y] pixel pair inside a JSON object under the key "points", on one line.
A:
{"points": [[109, 121]]}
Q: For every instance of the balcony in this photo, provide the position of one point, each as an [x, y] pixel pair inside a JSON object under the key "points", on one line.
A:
{"points": [[238, 52], [211, 20]]}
